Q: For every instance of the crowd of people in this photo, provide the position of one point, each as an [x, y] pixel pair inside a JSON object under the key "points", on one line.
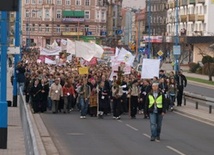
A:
{"points": [[60, 88]]}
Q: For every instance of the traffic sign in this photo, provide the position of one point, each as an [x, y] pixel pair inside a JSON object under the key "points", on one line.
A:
{"points": [[176, 49], [160, 53]]}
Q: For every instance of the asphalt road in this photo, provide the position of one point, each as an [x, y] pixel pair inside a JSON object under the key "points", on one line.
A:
{"points": [[92, 136], [194, 88]]}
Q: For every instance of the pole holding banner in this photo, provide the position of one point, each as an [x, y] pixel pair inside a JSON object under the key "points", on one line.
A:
{"points": [[3, 81]]}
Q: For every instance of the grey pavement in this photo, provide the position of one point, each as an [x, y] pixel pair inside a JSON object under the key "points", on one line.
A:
{"points": [[15, 133]]}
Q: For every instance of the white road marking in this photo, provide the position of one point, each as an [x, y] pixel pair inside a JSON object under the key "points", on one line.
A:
{"points": [[131, 127], [146, 135], [175, 150], [75, 134], [120, 121]]}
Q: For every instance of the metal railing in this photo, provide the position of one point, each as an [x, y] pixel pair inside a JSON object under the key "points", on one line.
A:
{"points": [[204, 100], [30, 139]]}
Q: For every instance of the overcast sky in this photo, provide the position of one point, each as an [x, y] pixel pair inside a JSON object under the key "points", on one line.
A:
{"points": [[134, 3]]}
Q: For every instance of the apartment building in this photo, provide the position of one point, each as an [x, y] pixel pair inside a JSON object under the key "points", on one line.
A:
{"points": [[155, 27], [195, 25], [47, 20]]}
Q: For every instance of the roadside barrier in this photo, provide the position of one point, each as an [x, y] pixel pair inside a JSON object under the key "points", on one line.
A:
{"points": [[30, 139], [199, 99]]}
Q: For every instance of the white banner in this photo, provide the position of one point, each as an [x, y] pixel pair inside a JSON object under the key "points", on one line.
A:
{"points": [[54, 51], [150, 68], [70, 47], [49, 61]]}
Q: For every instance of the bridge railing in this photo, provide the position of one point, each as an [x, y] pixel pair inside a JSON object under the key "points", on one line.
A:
{"points": [[29, 136], [199, 99]]}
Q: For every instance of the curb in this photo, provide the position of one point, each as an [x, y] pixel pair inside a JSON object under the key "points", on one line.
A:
{"points": [[45, 143], [200, 84], [195, 117]]}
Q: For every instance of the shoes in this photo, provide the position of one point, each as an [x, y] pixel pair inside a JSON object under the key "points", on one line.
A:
{"points": [[158, 138], [118, 117], [81, 117], [114, 117], [152, 139]]}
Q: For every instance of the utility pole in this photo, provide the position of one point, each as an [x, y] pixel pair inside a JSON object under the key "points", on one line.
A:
{"points": [[176, 47], [149, 24]]}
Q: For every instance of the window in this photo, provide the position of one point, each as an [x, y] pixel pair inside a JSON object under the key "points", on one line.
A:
{"points": [[87, 14], [87, 2], [58, 2], [49, 1], [27, 13], [27, 27], [78, 2], [103, 15], [46, 28], [47, 13], [67, 28], [58, 28], [100, 2], [40, 27], [34, 13], [97, 14], [33, 2], [68, 2], [39, 14], [86, 28], [33, 27], [27, 1], [58, 14], [40, 1]]}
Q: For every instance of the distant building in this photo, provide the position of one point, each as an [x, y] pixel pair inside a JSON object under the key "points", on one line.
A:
{"points": [[47, 20], [195, 26]]}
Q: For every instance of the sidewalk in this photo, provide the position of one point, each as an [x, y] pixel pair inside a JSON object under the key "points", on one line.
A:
{"points": [[15, 140]]}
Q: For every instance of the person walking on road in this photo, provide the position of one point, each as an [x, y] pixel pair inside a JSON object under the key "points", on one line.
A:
{"points": [[181, 83], [156, 108]]}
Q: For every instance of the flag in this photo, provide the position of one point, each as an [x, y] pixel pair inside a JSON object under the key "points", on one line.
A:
{"points": [[70, 47], [150, 68], [99, 51], [85, 50], [126, 57]]}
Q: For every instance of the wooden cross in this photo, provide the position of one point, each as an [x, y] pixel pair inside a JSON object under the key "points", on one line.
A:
{"points": [[119, 75]]}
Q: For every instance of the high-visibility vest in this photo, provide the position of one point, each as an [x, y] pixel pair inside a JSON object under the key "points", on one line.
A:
{"points": [[158, 101]]}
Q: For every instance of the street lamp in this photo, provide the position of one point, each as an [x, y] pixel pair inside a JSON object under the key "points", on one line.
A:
{"points": [[149, 24]]}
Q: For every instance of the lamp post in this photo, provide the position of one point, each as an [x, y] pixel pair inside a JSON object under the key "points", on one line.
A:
{"points": [[176, 47]]}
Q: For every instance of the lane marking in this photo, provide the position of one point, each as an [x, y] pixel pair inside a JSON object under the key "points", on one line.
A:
{"points": [[75, 134], [131, 127], [120, 121], [146, 135], [175, 150]]}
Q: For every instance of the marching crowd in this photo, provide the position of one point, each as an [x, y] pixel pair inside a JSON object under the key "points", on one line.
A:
{"points": [[60, 88]]}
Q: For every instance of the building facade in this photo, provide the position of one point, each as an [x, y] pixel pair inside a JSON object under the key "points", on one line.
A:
{"points": [[155, 27], [195, 26], [114, 19], [47, 20]]}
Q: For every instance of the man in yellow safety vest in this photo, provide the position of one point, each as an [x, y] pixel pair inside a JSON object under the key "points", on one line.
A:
{"points": [[155, 106]]}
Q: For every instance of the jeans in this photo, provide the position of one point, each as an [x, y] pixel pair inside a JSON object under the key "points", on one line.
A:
{"points": [[83, 106], [155, 124], [172, 99]]}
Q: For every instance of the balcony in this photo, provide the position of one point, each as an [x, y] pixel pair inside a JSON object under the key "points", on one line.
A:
{"points": [[200, 18], [192, 2], [183, 2], [191, 17], [201, 1], [183, 18]]}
